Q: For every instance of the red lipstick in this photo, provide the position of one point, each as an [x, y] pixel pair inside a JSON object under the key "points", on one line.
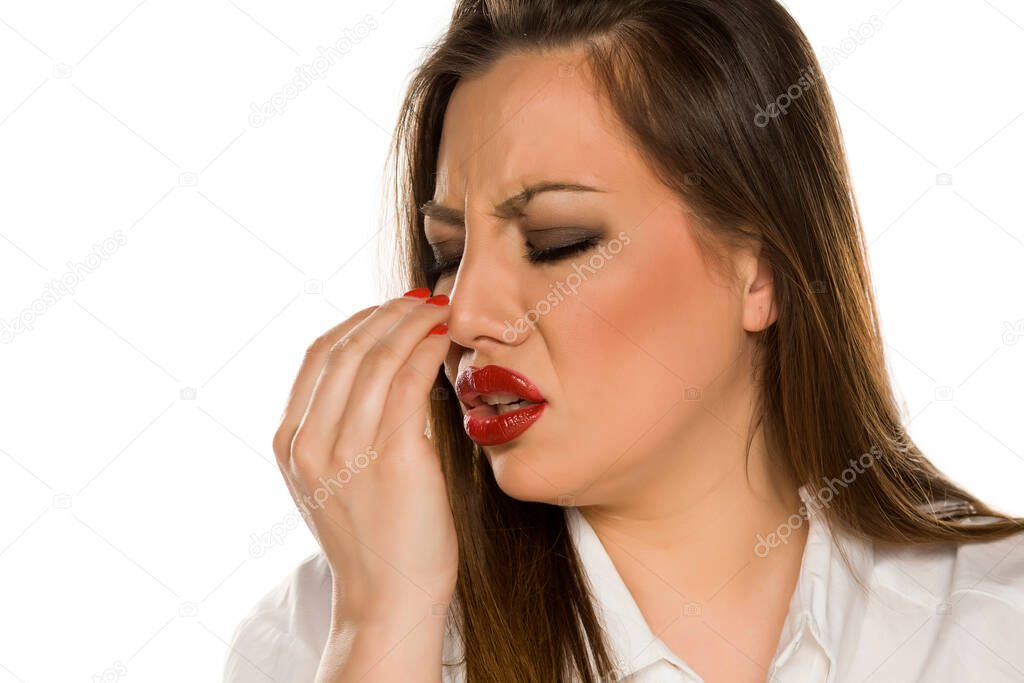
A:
{"points": [[486, 424]]}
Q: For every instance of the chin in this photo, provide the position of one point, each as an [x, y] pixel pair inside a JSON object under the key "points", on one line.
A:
{"points": [[524, 477]]}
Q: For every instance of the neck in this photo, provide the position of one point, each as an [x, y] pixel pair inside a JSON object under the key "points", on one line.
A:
{"points": [[690, 530]]}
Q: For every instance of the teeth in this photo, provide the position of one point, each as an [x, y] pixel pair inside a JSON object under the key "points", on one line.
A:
{"points": [[509, 407], [496, 399], [505, 403]]}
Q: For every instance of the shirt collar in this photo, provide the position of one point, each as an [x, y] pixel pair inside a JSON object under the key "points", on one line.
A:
{"points": [[633, 644], [825, 598]]}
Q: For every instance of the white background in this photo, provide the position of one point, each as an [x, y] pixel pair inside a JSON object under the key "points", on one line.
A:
{"points": [[128, 513]]}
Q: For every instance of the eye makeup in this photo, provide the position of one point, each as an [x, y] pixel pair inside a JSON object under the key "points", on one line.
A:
{"points": [[570, 242]]}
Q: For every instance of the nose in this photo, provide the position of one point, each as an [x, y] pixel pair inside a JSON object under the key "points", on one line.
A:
{"points": [[485, 311]]}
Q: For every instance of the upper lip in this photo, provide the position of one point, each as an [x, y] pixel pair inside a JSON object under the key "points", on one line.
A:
{"points": [[493, 379]]}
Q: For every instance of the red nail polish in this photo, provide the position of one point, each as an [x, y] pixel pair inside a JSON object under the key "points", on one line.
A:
{"points": [[420, 292], [438, 329], [438, 300]]}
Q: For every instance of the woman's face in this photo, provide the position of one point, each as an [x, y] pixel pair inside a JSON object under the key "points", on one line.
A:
{"points": [[639, 351]]}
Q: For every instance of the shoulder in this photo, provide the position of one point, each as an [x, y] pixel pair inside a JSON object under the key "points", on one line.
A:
{"points": [[283, 634], [976, 572], [993, 570], [961, 603]]}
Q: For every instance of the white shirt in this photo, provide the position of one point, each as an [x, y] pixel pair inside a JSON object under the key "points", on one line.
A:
{"points": [[951, 613]]}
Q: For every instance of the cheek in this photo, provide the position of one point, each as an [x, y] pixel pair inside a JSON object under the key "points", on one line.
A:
{"points": [[649, 329], [652, 319]]}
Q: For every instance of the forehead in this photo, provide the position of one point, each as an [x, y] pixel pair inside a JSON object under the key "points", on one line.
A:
{"points": [[531, 116]]}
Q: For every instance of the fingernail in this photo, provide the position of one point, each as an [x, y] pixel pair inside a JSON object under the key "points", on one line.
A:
{"points": [[438, 329], [420, 292], [438, 300]]}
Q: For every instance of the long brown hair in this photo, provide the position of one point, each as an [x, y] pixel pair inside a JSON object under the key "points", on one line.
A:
{"points": [[725, 101]]}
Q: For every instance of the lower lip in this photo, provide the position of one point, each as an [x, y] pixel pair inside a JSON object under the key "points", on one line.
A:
{"points": [[491, 430]]}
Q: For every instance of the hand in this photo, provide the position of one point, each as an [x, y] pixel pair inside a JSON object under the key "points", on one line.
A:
{"points": [[354, 454]]}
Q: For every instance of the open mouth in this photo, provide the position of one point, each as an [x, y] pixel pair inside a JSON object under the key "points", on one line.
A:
{"points": [[499, 403], [487, 405]]}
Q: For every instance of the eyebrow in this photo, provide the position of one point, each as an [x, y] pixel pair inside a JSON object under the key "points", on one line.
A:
{"points": [[507, 208]]}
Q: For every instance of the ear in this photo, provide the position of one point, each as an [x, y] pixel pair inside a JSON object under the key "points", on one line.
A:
{"points": [[759, 309]]}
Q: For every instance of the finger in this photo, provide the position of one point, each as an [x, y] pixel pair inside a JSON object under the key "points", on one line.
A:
{"points": [[319, 426], [406, 409], [302, 388], [305, 380], [375, 376]]}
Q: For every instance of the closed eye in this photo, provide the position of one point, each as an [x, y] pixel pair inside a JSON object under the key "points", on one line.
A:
{"points": [[440, 267], [562, 252]]}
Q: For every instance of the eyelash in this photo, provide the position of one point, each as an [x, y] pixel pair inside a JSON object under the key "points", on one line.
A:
{"points": [[549, 255]]}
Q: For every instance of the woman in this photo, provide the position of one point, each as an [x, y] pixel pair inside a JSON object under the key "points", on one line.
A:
{"points": [[636, 222]]}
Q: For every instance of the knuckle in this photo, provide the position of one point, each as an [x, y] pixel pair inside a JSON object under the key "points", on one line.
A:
{"points": [[305, 453], [362, 313], [320, 344], [329, 338], [389, 309], [301, 444], [378, 358], [282, 443], [394, 305], [354, 340], [324, 342]]}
